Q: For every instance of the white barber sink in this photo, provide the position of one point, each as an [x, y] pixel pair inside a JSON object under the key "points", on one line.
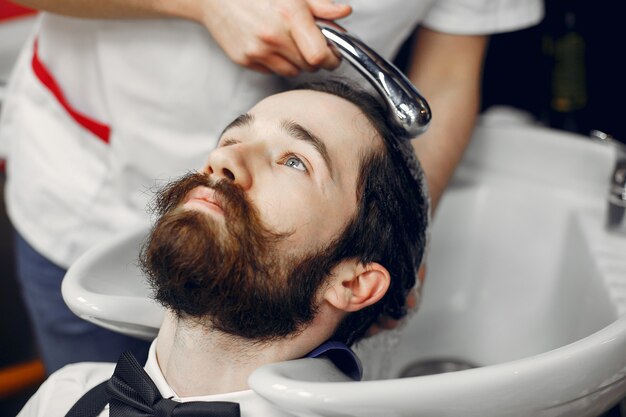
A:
{"points": [[522, 281], [106, 286]]}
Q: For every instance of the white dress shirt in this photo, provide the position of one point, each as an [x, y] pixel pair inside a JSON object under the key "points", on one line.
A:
{"points": [[66, 386]]}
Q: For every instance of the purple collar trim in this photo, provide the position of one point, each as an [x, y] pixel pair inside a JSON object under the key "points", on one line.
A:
{"points": [[341, 356]]}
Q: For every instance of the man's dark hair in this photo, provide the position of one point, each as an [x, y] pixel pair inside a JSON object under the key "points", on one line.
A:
{"points": [[390, 224]]}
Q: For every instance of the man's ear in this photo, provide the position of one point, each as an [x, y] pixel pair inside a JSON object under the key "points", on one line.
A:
{"points": [[354, 286]]}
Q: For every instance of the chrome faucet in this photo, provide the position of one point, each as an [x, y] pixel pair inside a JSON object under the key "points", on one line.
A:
{"points": [[616, 210], [407, 109], [616, 218]]}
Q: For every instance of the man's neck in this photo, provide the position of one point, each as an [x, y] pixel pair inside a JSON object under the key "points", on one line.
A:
{"points": [[196, 361]]}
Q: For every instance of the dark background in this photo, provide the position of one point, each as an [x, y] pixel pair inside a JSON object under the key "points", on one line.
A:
{"points": [[563, 71]]}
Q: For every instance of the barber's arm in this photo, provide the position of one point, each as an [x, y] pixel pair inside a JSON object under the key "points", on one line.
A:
{"points": [[277, 36], [447, 69]]}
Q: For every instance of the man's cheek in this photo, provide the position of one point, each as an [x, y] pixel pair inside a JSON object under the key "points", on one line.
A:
{"points": [[277, 215], [304, 231]]}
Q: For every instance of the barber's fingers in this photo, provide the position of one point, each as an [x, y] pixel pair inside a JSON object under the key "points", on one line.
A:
{"points": [[287, 48], [421, 273], [275, 35], [259, 68], [328, 9], [307, 36], [411, 300], [310, 41], [279, 65], [275, 52]]}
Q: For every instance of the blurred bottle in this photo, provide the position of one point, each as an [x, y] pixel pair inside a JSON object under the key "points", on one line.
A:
{"points": [[565, 46]]}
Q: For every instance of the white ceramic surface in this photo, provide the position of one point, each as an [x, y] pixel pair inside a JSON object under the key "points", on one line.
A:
{"points": [[105, 286], [522, 281]]}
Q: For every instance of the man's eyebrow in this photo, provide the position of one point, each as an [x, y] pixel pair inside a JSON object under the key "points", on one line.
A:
{"points": [[242, 120], [300, 132]]}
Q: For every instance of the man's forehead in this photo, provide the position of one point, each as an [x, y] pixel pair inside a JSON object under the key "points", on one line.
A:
{"points": [[329, 116], [306, 98]]}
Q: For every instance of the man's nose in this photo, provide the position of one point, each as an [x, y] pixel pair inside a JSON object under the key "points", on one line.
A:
{"points": [[229, 163]]}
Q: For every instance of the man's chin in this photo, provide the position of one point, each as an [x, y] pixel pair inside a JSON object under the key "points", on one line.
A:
{"points": [[190, 223]]}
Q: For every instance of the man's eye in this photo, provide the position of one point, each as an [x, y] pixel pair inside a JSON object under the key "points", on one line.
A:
{"points": [[295, 163]]}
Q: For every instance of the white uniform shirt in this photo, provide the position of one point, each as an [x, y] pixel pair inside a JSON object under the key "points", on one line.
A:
{"points": [[159, 92], [66, 386]]}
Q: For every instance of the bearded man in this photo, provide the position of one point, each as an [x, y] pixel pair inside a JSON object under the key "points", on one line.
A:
{"points": [[306, 225]]}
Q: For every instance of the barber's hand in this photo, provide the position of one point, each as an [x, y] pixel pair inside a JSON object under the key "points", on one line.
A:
{"points": [[277, 36], [386, 322]]}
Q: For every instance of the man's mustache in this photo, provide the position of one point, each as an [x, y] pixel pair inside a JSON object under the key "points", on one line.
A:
{"points": [[230, 197], [242, 217]]}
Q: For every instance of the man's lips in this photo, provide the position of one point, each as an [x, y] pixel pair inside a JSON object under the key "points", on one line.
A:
{"points": [[203, 198]]}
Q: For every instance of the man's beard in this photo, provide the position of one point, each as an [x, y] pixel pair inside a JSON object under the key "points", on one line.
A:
{"points": [[233, 278]]}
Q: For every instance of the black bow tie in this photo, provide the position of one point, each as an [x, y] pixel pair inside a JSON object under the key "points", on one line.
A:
{"points": [[133, 394]]}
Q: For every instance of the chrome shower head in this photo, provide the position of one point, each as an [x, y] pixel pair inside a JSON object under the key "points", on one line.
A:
{"points": [[407, 109]]}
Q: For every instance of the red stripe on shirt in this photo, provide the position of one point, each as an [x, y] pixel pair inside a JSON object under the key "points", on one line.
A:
{"points": [[99, 129], [10, 10]]}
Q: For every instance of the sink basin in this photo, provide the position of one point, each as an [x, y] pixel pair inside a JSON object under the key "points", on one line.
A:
{"points": [[512, 273], [106, 286], [523, 282]]}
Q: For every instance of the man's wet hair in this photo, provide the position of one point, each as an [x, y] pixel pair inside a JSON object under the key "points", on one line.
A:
{"points": [[390, 224]]}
